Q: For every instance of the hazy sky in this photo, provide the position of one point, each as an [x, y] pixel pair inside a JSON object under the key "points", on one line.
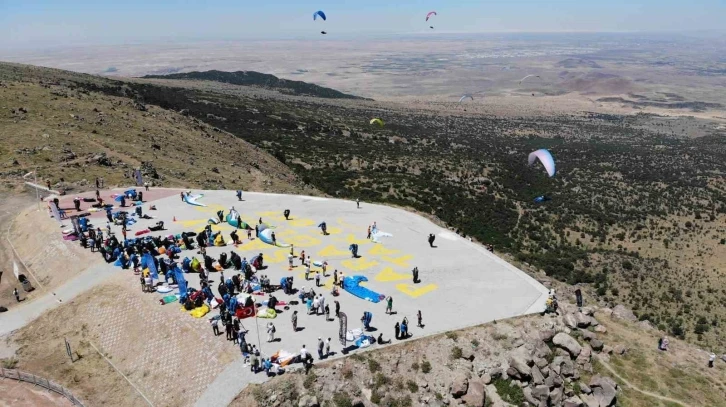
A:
{"points": [[38, 23]]}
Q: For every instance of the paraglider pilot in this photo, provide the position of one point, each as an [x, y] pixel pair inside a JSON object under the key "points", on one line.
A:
{"points": [[354, 250], [431, 239], [287, 214]]}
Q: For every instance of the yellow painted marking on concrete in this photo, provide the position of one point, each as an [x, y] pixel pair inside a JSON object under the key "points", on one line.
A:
{"points": [[414, 292], [332, 230], [285, 232], [270, 214], [302, 222], [359, 264], [379, 250], [398, 261], [255, 244], [278, 256], [302, 241], [350, 239], [345, 224], [192, 223], [332, 251], [387, 274]]}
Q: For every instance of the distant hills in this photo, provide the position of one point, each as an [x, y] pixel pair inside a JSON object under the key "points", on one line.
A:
{"points": [[257, 79], [572, 63]]}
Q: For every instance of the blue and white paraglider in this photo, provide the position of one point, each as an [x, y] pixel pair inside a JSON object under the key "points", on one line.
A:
{"points": [[545, 158], [320, 14]]}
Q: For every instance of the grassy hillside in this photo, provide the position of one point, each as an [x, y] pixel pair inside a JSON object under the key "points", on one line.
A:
{"points": [[73, 136], [257, 79], [638, 209]]}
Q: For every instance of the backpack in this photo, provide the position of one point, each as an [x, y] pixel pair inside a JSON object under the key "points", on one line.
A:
{"points": [[274, 329]]}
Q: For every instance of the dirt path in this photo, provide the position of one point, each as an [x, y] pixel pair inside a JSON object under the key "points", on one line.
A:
{"points": [[647, 393]]}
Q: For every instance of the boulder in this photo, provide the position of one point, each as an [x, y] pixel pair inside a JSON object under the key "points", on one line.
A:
{"points": [[599, 381], [476, 394], [570, 320], [556, 396], [589, 311], [356, 402], [587, 335], [621, 312], [529, 397], [605, 395], [568, 368], [459, 386], [568, 343], [584, 388], [584, 356], [541, 362], [620, 349], [541, 392], [541, 350], [467, 353], [607, 312], [308, 401], [590, 400], [573, 401], [547, 335], [645, 325], [496, 372], [596, 344], [594, 322], [537, 376], [600, 329], [583, 321], [521, 365]]}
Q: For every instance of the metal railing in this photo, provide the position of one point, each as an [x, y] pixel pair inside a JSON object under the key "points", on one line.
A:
{"points": [[19, 375]]}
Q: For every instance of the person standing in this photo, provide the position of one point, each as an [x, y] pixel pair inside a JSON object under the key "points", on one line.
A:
{"points": [[327, 312], [228, 328], [146, 185], [711, 359], [414, 273], [420, 319], [397, 329], [389, 304], [317, 279], [286, 213], [321, 346], [290, 258], [316, 305], [335, 277], [321, 306], [578, 298], [337, 309], [307, 272], [357, 202], [98, 184], [431, 239], [294, 321], [327, 347], [368, 236], [16, 294], [270, 332]]}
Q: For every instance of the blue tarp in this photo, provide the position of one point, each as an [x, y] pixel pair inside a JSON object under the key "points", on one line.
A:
{"points": [[179, 276], [150, 264], [350, 284]]}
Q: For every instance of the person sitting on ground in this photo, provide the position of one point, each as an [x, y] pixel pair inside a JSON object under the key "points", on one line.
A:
{"points": [[380, 340], [663, 344], [159, 226]]}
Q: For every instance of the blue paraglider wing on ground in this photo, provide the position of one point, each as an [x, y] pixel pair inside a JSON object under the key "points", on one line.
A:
{"points": [[351, 285]]}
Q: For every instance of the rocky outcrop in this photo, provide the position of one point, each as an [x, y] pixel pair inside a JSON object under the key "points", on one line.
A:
{"points": [[476, 394], [459, 386], [623, 313], [567, 343], [604, 390]]}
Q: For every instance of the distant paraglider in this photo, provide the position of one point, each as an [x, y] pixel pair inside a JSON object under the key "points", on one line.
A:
{"points": [[323, 32], [377, 121], [431, 13], [431, 27], [529, 76], [320, 14], [465, 97], [545, 158]]}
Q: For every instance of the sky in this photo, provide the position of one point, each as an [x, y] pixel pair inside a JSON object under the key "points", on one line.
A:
{"points": [[34, 24]]}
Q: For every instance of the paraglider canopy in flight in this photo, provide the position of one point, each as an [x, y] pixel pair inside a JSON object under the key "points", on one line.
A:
{"points": [[545, 158], [431, 13], [320, 14], [377, 121], [529, 76], [466, 96]]}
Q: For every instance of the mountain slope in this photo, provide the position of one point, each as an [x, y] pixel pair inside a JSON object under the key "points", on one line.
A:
{"points": [[73, 136], [257, 79]]}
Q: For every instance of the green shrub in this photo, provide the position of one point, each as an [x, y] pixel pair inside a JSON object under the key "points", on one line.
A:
{"points": [[309, 380], [452, 335], [455, 353], [415, 366], [373, 365], [412, 386], [380, 380], [342, 399], [509, 392], [475, 342], [425, 366]]}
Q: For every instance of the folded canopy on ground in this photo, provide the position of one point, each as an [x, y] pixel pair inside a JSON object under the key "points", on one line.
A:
{"points": [[351, 285], [192, 199]]}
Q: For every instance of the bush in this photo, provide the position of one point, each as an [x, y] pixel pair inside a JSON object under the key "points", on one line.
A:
{"points": [[309, 380], [414, 366], [475, 343], [425, 366], [373, 365], [342, 399], [380, 380], [455, 353], [9, 363], [452, 335], [511, 393], [412, 386], [627, 265]]}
